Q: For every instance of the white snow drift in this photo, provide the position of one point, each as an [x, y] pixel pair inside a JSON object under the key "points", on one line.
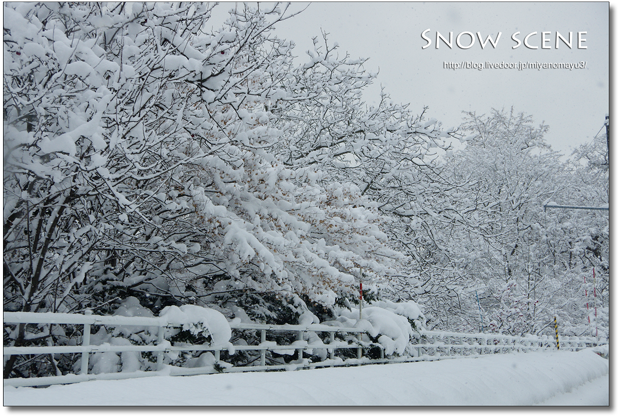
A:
{"points": [[500, 380]]}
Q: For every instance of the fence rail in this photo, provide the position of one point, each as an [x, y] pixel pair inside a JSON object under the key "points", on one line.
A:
{"points": [[431, 345]]}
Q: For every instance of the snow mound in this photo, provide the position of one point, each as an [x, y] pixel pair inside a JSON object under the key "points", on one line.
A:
{"points": [[408, 309], [393, 330], [131, 307], [197, 319], [602, 350], [307, 318]]}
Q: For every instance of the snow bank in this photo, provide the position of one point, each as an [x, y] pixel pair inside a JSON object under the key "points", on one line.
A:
{"points": [[510, 379]]}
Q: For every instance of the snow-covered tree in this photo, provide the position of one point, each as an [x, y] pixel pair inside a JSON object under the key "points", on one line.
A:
{"points": [[389, 153], [511, 172], [580, 239], [386, 150], [492, 230], [140, 160]]}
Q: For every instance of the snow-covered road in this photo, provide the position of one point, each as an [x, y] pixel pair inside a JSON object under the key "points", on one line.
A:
{"points": [[512, 379]]}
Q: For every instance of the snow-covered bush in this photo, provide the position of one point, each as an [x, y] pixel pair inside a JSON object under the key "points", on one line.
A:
{"points": [[189, 325], [391, 331], [197, 320], [386, 323], [393, 325], [409, 309]]}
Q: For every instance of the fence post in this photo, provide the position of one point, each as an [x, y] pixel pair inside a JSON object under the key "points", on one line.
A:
{"points": [[263, 338], [359, 349], [332, 335], [300, 351], [160, 354], [86, 343]]}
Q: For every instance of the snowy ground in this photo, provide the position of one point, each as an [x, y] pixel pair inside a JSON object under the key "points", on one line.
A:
{"points": [[547, 378]]}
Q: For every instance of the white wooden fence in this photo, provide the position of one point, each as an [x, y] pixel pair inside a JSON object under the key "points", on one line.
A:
{"points": [[432, 345]]}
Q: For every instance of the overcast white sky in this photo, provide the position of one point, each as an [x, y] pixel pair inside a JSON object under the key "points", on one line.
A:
{"points": [[573, 103]]}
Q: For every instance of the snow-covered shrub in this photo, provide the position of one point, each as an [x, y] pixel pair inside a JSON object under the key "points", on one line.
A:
{"points": [[189, 325], [198, 326], [197, 320], [391, 331], [112, 362], [393, 325]]}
